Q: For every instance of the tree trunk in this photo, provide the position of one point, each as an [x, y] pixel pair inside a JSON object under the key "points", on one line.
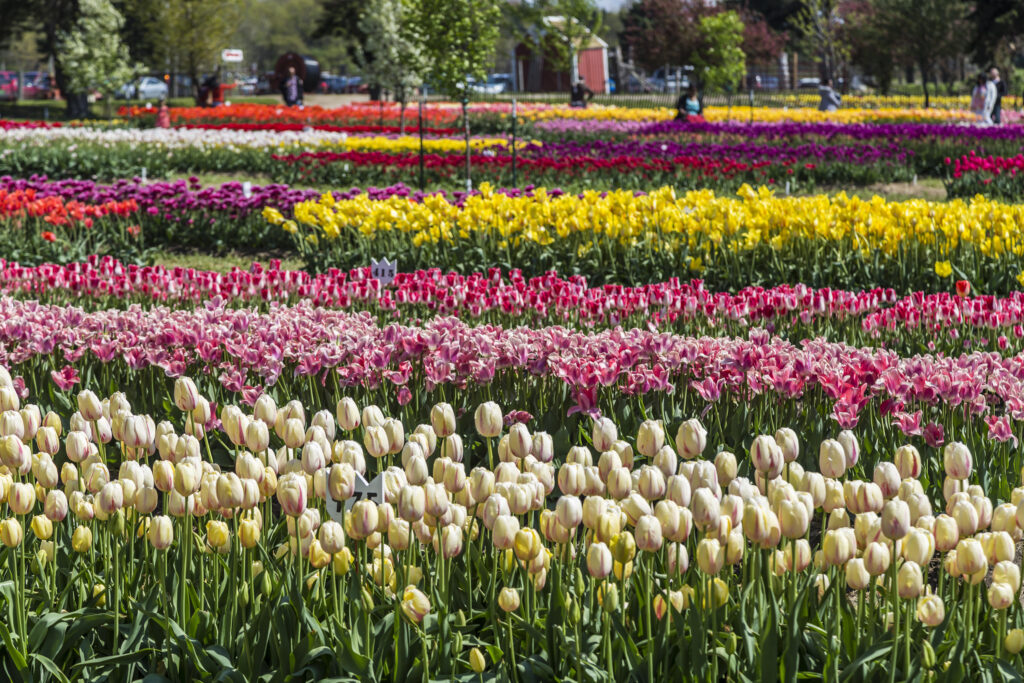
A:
{"points": [[924, 82], [401, 116], [465, 119]]}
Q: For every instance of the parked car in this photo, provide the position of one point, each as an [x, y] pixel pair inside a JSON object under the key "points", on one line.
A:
{"points": [[8, 85], [247, 86], [333, 84], [494, 85], [808, 84], [37, 86], [355, 84], [675, 79], [147, 88]]}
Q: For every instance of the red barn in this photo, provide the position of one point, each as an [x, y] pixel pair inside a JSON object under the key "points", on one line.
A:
{"points": [[536, 72]]}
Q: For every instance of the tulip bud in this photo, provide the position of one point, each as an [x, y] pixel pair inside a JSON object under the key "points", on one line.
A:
{"points": [[415, 605], [970, 557], [1000, 595], [857, 576], [710, 556], [956, 459], [876, 558], [11, 532], [930, 610], [793, 519], [508, 599], [908, 462], [1014, 641], [81, 539], [832, 459], [488, 419], [895, 519]]}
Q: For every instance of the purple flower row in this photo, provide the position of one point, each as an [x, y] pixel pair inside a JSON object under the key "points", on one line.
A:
{"points": [[827, 130]]}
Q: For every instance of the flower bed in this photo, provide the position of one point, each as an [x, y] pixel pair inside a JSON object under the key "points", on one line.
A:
{"points": [[623, 237]]}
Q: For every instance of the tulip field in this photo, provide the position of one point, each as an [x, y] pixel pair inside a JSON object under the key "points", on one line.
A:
{"points": [[652, 401]]}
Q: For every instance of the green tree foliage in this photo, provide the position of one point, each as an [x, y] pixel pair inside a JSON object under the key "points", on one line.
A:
{"points": [[188, 35], [460, 36], [821, 26], [91, 54], [997, 27], [558, 29], [720, 62], [923, 32], [393, 55]]}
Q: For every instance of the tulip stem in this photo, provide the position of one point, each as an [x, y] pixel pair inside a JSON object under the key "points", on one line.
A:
{"points": [[648, 598], [906, 642], [1002, 634], [513, 669], [895, 622]]}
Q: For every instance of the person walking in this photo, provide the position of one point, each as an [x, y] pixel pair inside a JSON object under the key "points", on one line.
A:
{"points": [[580, 94], [997, 108], [163, 115], [688, 105], [830, 99], [983, 100], [291, 88]]}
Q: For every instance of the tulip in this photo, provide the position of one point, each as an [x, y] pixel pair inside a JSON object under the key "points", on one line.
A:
{"points": [[648, 534], [930, 610], [347, 413], [837, 548], [415, 605], [956, 460], [1000, 595], [81, 539], [604, 434], [527, 544], [11, 532], [248, 533], [508, 599], [89, 406], [832, 459], [788, 443], [291, 494], [970, 557], [477, 662], [1014, 641], [710, 556], [857, 576], [895, 519], [793, 519], [599, 560], [488, 419], [650, 438], [909, 581], [161, 532], [851, 449], [765, 454], [876, 558], [42, 527], [364, 519], [908, 462]]}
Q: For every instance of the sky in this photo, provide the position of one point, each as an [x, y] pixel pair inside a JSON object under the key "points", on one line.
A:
{"points": [[612, 5]]}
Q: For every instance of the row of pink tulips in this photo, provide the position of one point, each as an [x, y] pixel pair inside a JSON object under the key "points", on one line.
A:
{"points": [[866, 317]]}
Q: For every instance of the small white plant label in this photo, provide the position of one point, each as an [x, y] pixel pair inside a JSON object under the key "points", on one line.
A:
{"points": [[384, 270], [364, 490]]}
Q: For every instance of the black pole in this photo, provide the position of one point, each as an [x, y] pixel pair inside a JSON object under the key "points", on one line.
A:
{"points": [[465, 118], [514, 183], [422, 185]]}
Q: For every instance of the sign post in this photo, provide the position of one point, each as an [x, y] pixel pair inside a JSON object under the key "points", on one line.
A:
{"points": [[231, 55]]}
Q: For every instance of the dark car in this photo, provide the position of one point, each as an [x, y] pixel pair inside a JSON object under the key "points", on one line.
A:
{"points": [[8, 85], [37, 86]]}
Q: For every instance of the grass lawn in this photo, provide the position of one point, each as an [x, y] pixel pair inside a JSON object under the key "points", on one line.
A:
{"points": [[224, 262]]}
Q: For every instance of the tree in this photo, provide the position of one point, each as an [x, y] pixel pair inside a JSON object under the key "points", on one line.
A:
{"points": [[558, 29], [820, 24], [188, 35], [460, 37], [871, 43], [394, 52], [761, 43], [91, 54], [720, 62], [997, 25], [928, 31], [665, 32]]}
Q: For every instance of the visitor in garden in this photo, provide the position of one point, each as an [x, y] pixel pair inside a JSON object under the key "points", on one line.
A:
{"points": [[688, 105], [291, 88], [580, 94], [830, 99], [1000, 85], [163, 115], [983, 100]]}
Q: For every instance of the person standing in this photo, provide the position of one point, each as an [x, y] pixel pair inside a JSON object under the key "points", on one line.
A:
{"points": [[978, 96], [291, 88], [1000, 85], [830, 99]]}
